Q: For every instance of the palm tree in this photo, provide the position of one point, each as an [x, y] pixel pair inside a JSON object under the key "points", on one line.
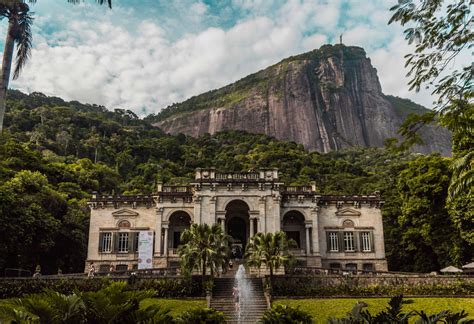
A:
{"points": [[19, 32], [203, 247], [269, 249]]}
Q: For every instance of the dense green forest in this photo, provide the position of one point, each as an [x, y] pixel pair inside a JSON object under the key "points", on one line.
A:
{"points": [[54, 154]]}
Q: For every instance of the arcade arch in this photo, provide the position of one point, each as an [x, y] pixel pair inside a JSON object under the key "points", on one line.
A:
{"points": [[237, 226], [178, 222], [294, 226]]}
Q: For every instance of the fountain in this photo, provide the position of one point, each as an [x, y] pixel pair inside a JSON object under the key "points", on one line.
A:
{"points": [[245, 292]]}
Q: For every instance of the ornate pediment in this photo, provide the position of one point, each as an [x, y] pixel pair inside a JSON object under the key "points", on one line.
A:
{"points": [[348, 212], [125, 213]]}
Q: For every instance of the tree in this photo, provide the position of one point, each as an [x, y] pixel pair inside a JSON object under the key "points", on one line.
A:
{"points": [[19, 32], [441, 33], [269, 249], [203, 247], [428, 234]]}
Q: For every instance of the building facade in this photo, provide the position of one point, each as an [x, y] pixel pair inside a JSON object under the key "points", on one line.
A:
{"points": [[333, 232]]}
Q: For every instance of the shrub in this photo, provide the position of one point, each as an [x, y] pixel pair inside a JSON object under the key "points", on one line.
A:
{"points": [[112, 304], [351, 286], [198, 316], [282, 314], [163, 287], [394, 314]]}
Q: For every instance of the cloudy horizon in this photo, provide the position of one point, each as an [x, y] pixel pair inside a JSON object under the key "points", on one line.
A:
{"points": [[147, 56]]}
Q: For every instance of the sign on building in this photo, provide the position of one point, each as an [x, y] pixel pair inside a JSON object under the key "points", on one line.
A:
{"points": [[145, 250]]}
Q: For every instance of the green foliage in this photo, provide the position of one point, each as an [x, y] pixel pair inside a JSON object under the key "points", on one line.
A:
{"points": [[111, 304], [350, 286], [163, 287], [394, 314], [54, 143], [198, 316], [427, 232], [324, 308], [203, 247], [282, 314], [441, 32], [269, 249]]}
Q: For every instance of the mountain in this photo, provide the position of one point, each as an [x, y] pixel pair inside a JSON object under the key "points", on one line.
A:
{"points": [[326, 99]]}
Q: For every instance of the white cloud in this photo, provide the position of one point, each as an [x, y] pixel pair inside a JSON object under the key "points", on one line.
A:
{"points": [[104, 58]]}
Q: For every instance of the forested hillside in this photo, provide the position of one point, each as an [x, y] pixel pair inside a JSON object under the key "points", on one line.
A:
{"points": [[54, 154]]}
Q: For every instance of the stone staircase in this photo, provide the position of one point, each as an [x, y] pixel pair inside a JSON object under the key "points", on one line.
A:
{"points": [[251, 308]]}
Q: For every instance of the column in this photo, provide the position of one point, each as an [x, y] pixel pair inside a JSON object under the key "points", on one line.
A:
{"points": [[252, 222], [165, 243], [308, 243], [158, 238], [315, 234], [159, 214]]}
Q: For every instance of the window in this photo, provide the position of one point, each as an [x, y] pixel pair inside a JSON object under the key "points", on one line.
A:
{"points": [[334, 267], [104, 267], [366, 243], [368, 267], [121, 267], [123, 243], [106, 242], [352, 267], [333, 242], [349, 242]]}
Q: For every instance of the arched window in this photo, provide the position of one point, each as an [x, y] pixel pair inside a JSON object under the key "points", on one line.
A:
{"points": [[294, 227], [178, 222]]}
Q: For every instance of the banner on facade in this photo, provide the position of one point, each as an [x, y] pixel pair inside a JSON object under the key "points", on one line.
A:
{"points": [[145, 250]]}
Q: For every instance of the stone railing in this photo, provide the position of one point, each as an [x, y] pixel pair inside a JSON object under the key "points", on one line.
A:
{"points": [[176, 189], [297, 189], [237, 176], [121, 198]]}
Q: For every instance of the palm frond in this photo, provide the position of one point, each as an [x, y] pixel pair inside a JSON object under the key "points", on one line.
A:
{"points": [[23, 41], [101, 2]]}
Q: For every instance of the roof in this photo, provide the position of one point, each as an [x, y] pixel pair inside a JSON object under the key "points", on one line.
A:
{"points": [[468, 266], [451, 269]]}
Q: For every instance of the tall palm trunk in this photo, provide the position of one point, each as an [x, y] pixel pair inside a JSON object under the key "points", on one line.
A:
{"points": [[6, 68]]}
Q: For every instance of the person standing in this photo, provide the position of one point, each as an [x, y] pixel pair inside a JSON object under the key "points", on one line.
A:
{"points": [[91, 272], [236, 297]]}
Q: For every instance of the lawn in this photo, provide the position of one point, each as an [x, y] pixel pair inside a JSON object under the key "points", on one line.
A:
{"points": [[176, 306], [322, 309]]}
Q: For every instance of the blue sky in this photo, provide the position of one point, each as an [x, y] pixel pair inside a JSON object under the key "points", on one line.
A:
{"points": [[144, 55]]}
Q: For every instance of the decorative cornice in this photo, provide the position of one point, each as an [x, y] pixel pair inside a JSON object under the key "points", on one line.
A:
{"points": [[348, 212], [125, 213]]}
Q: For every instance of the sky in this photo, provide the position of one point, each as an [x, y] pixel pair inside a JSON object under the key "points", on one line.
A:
{"points": [[144, 55]]}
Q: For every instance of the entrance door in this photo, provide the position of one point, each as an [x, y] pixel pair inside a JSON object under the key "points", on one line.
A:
{"points": [[237, 229]]}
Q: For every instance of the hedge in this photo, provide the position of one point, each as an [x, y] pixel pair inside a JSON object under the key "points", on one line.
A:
{"points": [[164, 287], [310, 286]]}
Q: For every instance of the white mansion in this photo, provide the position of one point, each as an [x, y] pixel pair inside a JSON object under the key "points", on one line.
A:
{"points": [[339, 232]]}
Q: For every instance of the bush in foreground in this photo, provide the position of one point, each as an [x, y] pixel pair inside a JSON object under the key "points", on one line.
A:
{"points": [[198, 316], [394, 314], [282, 314], [163, 287], [112, 304]]}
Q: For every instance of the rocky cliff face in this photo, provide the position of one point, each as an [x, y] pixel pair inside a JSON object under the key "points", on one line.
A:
{"points": [[327, 99]]}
